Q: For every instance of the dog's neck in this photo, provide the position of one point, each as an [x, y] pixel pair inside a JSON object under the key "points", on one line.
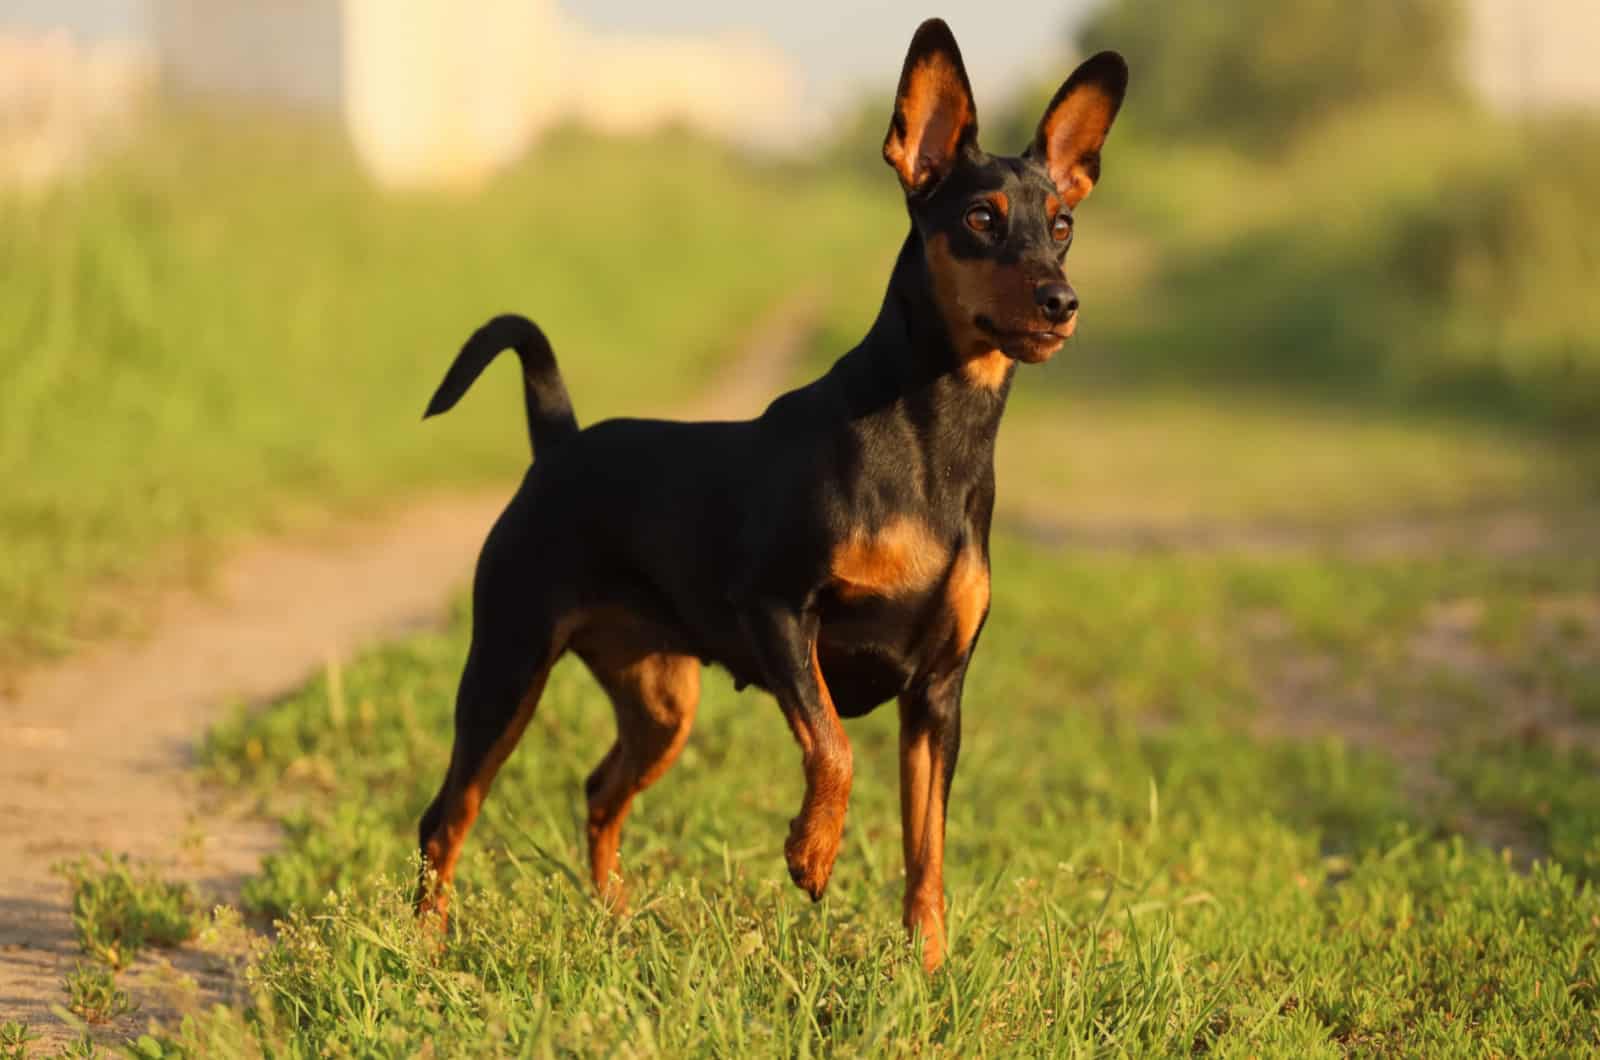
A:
{"points": [[907, 369], [909, 338], [909, 354]]}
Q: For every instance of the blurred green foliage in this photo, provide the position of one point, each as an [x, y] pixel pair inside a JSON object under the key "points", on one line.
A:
{"points": [[1254, 71], [229, 328], [1307, 197], [1412, 252]]}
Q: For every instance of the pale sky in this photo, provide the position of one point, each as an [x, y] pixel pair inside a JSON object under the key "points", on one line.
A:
{"points": [[841, 47]]}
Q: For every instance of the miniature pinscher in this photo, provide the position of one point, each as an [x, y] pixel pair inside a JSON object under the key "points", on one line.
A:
{"points": [[833, 551]]}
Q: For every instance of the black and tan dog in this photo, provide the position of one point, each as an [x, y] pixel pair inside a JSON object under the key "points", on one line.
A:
{"points": [[833, 551]]}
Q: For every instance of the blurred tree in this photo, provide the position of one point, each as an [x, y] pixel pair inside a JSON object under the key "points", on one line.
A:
{"points": [[1252, 71]]}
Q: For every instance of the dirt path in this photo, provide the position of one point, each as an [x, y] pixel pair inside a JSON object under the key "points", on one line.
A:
{"points": [[1498, 533], [96, 751]]}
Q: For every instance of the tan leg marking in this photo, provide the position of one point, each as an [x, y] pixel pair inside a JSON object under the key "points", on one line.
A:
{"points": [[655, 704], [922, 813], [654, 694], [815, 834], [466, 799]]}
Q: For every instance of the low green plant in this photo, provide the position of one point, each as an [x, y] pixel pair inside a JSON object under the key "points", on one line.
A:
{"points": [[15, 1036], [93, 993], [118, 909], [80, 1048]]}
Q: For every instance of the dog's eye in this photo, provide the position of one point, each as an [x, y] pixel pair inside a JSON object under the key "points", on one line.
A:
{"points": [[1061, 228], [980, 218]]}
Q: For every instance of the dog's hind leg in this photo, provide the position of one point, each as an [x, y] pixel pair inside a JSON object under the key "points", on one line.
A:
{"points": [[654, 693], [500, 689]]}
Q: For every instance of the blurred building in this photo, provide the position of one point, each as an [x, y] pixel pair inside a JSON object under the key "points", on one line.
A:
{"points": [[430, 95], [445, 91], [1530, 55], [432, 91], [62, 98]]}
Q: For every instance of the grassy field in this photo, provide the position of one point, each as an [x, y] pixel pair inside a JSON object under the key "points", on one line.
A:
{"points": [[1225, 788], [1229, 800], [1222, 800], [1167, 463], [217, 334], [1169, 833], [1226, 801]]}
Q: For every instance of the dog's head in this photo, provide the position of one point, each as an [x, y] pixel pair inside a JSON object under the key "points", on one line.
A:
{"points": [[996, 229]]}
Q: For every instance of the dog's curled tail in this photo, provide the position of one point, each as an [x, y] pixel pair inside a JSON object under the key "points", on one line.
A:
{"points": [[550, 417]]}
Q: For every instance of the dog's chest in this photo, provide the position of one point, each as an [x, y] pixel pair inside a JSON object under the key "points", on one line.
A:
{"points": [[903, 602]]}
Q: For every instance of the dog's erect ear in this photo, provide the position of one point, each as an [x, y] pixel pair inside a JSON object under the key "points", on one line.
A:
{"points": [[934, 117], [1076, 122]]}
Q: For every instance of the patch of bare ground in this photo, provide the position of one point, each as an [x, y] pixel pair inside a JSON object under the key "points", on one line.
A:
{"points": [[1495, 533], [98, 749], [1455, 683]]}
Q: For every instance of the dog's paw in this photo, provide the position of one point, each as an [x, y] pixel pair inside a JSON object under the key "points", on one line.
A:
{"points": [[924, 920], [433, 922], [613, 894], [431, 903], [810, 855]]}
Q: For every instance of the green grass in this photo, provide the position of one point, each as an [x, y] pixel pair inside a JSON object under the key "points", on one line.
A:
{"points": [[1163, 459], [1365, 259], [218, 334], [1292, 804], [117, 910], [1138, 861], [15, 1038]]}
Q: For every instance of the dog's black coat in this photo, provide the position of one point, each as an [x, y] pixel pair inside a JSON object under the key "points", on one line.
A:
{"points": [[834, 550]]}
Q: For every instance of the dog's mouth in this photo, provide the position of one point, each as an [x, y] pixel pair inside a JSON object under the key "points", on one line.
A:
{"points": [[1029, 345]]}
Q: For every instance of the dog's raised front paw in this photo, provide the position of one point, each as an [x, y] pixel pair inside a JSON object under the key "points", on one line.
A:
{"points": [[810, 855]]}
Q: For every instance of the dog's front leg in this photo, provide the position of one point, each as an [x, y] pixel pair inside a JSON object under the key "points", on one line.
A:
{"points": [[930, 740], [786, 647]]}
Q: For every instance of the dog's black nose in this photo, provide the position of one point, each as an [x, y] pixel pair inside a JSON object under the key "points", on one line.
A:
{"points": [[1057, 300]]}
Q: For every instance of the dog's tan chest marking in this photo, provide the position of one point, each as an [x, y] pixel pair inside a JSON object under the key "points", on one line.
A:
{"points": [[902, 556]]}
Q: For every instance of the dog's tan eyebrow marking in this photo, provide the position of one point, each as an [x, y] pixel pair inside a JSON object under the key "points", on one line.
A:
{"points": [[1001, 202]]}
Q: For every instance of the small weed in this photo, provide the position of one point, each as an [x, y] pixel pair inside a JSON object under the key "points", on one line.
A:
{"points": [[93, 993], [118, 910], [82, 1048], [14, 1038]]}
